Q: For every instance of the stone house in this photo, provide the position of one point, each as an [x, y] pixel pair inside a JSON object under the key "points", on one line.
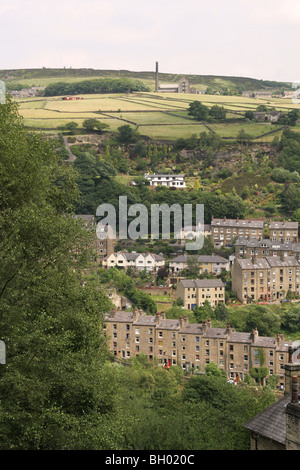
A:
{"points": [[265, 279], [245, 248], [194, 292], [177, 342], [208, 264], [224, 231]]}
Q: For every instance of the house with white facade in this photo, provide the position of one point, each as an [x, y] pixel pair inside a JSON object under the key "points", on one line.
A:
{"points": [[137, 261], [171, 181]]}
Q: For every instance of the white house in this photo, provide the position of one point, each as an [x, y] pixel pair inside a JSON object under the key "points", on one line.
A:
{"points": [[171, 181], [137, 261]]}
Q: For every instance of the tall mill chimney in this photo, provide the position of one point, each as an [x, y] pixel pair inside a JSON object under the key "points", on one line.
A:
{"points": [[156, 76]]}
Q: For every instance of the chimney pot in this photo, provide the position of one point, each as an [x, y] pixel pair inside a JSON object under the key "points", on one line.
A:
{"points": [[294, 389]]}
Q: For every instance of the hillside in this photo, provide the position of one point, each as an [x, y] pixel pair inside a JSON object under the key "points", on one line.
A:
{"points": [[44, 76]]}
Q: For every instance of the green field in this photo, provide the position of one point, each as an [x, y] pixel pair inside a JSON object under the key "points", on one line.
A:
{"points": [[158, 116]]}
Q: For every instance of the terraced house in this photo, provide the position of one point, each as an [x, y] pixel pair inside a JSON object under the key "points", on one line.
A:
{"points": [[136, 261], [176, 342], [266, 279], [284, 232], [224, 231], [195, 292], [260, 248], [207, 264]]}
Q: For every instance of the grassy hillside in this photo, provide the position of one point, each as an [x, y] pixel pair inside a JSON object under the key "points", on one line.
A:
{"points": [[158, 116], [45, 76]]}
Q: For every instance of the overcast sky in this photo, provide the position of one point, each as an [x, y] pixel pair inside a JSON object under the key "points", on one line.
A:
{"points": [[249, 38]]}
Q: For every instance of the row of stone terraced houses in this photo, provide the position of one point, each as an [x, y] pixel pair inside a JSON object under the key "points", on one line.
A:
{"points": [[224, 231], [178, 343], [266, 279]]}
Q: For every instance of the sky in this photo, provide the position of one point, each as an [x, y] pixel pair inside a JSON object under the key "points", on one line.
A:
{"points": [[246, 38]]}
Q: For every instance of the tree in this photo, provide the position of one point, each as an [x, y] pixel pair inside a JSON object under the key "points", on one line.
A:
{"points": [[198, 110], [221, 313], [55, 390], [263, 318], [291, 319], [70, 127], [217, 112], [243, 137], [193, 266], [127, 135], [204, 312], [93, 124], [249, 115]]}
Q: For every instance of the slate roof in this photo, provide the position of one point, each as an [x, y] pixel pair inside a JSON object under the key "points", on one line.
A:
{"points": [[271, 423], [238, 223], [145, 320], [168, 324], [200, 259], [120, 316], [265, 242], [285, 224], [267, 262], [202, 283], [192, 328]]}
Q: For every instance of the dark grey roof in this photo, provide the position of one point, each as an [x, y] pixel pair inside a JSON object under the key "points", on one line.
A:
{"points": [[285, 224], [238, 337], [202, 283], [145, 320], [216, 333], [200, 259], [288, 261], [271, 423], [168, 324], [192, 328], [250, 223], [267, 262], [120, 316]]}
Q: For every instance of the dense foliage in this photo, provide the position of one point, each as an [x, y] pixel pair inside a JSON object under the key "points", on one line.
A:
{"points": [[94, 86], [54, 391]]}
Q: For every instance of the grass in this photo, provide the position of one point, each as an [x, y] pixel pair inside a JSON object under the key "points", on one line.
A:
{"points": [[149, 112]]}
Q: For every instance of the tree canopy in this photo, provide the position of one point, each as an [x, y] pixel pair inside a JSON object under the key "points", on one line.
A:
{"points": [[54, 393]]}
